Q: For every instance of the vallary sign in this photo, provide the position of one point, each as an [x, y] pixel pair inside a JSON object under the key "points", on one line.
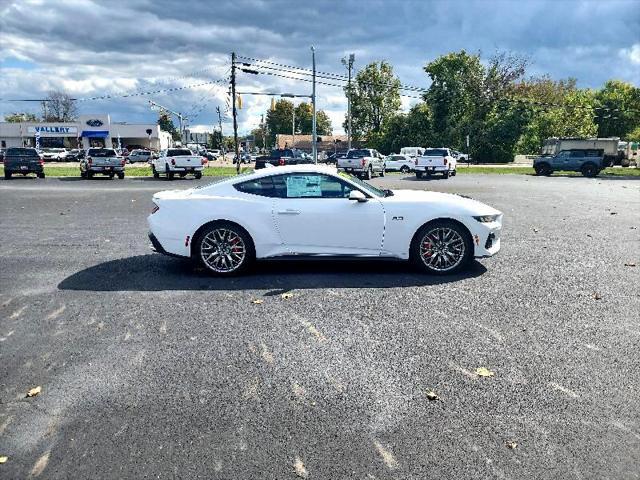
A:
{"points": [[53, 129]]}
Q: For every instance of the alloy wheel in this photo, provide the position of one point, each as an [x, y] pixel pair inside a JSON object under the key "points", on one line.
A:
{"points": [[442, 249], [223, 250]]}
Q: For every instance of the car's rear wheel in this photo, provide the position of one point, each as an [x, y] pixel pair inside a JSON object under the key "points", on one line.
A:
{"points": [[418, 174], [404, 169], [121, 175], [155, 172], [40, 175], [368, 174], [446, 174], [224, 249], [89, 175], [382, 172], [198, 175], [589, 170], [7, 175], [441, 247]]}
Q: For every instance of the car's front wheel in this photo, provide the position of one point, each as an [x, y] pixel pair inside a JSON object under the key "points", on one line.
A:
{"points": [[224, 249], [404, 169], [543, 169], [589, 170], [441, 247]]}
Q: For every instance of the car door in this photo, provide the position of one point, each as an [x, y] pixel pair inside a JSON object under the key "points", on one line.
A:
{"points": [[561, 160], [314, 215], [576, 159]]}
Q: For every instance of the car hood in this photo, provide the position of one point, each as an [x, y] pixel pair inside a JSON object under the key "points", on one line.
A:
{"points": [[456, 202]]}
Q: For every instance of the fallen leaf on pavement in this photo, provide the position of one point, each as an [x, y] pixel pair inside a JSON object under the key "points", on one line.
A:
{"points": [[3, 459], [511, 445], [597, 296], [629, 264], [34, 391], [287, 295], [535, 230], [484, 372], [257, 301], [613, 213], [431, 395]]}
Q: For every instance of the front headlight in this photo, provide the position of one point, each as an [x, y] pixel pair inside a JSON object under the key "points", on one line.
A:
{"points": [[487, 218]]}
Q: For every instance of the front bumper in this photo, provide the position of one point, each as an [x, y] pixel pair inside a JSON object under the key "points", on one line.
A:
{"points": [[486, 239]]}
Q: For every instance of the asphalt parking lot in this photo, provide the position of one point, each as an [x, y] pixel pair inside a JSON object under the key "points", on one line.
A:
{"points": [[152, 369]]}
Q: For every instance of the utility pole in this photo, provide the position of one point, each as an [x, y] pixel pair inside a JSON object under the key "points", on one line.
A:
{"points": [[221, 135], [157, 106], [264, 142], [235, 113], [293, 127], [349, 65], [314, 147]]}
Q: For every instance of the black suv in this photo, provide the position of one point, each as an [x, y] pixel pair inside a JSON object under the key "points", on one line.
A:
{"points": [[22, 161]]}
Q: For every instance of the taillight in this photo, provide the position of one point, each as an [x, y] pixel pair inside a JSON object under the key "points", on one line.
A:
{"points": [[445, 160], [41, 162], [204, 161], [89, 161], [362, 162], [155, 209], [173, 161], [281, 162], [416, 161], [122, 162]]}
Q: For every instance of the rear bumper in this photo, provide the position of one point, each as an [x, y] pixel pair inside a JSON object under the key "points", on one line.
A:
{"points": [[431, 169], [96, 169], [19, 169], [186, 169], [353, 169], [156, 246]]}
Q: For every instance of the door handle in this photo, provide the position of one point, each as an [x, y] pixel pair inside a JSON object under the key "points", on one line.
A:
{"points": [[288, 211]]}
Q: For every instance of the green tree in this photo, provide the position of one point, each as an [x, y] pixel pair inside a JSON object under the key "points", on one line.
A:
{"points": [[279, 119], [304, 120], [166, 125], [375, 100], [465, 97], [618, 109], [410, 129], [20, 117]]}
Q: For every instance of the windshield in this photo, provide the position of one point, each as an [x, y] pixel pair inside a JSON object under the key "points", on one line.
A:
{"points": [[373, 191], [358, 153], [22, 152], [177, 152], [435, 152], [102, 152]]}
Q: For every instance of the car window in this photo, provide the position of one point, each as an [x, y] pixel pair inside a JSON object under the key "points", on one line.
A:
{"points": [[357, 153], [258, 186], [577, 153], [102, 152], [176, 152], [435, 152], [21, 152], [313, 185]]}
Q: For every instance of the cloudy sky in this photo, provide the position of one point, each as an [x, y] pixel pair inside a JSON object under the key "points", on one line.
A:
{"points": [[92, 48]]}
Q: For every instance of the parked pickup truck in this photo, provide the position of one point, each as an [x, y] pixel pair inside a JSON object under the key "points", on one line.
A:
{"points": [[22, 161], [363, 162], [104, 161], [590, 162], [436, 160], [282, 156], [179, 161]]}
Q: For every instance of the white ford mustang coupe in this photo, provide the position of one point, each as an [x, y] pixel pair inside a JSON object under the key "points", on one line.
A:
{"points": [[310, 210]]}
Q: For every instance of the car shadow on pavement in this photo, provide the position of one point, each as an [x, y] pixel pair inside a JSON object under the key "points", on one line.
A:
{"points": [[157, 273]]}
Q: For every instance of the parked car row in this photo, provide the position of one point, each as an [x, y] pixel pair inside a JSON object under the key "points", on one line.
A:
{"points": [[108, 162]]}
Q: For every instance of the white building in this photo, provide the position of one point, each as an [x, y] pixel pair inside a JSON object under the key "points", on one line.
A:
{"points": [[87, 131]]}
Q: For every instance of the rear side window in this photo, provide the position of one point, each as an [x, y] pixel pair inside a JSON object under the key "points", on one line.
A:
{"points": [[21, 152], [272, 186]]}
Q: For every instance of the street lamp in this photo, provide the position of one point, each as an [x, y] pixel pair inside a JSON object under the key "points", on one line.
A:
{"points": [[349, 64]]}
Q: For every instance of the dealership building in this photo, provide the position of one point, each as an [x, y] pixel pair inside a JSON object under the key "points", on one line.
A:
{"points": [[87, 131]]}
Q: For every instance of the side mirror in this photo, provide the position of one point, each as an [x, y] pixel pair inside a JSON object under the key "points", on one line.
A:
{"points": [[358, 196]]}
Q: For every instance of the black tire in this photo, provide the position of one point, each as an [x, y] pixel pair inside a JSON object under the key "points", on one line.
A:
{"points": [[168, 171], [198, 175], [40, 175], [249, 248], [155, 172], [404, 169], [462, 233], [83, 174], [418, 174], [543, 169], [7, 175], [589, 170], [89, 175], [111, 175], [369, 174], [382, 173], [454, 172], [446, 174], [121, 175]]}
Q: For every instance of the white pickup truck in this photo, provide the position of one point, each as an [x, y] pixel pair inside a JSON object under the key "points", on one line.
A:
{"points": [[180, 161], [436, 160], [363, 162]]}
